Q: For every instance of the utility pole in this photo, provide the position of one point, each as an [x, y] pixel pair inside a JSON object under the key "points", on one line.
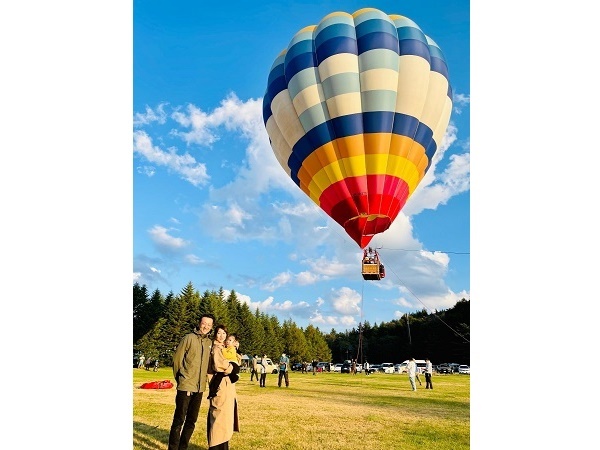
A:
{"points": [[408, 325]]}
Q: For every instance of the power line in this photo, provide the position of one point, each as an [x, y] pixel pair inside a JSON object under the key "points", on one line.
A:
{"points": [[425, 306]]}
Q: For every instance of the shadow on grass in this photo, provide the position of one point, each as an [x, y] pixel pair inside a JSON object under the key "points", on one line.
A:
{"points": [[148, 437]]}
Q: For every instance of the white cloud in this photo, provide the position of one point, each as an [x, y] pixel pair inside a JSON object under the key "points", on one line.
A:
{"points": [[163, 240], [149, 171], [184, 165], [151, 115], [459, 101], [193, 259], [278, 281], [346, 301]]}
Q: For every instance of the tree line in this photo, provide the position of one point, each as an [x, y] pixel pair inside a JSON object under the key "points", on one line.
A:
{"points": [[159, 323]]}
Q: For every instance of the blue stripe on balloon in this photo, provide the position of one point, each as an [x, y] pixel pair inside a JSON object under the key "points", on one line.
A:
{"points": [[430, 151], [375, 26], [299, 48], [333, 31], [411, 33], [334, 46], [378, 121], [276, 72], [298, 64], [414, 47], [423, 136], [439, 65], [405, 125], [377, 41]]}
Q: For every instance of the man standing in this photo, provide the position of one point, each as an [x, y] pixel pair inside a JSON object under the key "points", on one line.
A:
{"points": [[366, 368], [428, 373], [314, 366], [190, 366], [254, 368], [284, 364], [411, 367]]}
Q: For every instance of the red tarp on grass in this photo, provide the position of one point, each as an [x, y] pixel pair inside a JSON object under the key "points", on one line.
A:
{"points": [[165, 384]]}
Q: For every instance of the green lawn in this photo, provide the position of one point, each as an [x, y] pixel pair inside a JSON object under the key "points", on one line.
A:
{"points": [[328, 410]]}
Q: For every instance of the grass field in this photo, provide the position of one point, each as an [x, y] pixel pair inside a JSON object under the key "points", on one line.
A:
{"points": [[330, 411]]}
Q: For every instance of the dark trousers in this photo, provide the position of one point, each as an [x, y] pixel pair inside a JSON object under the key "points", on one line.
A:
{"points": [[252, 374], [263, 379], [223, 446], [184, 419], [428, 384], [283, 374]]}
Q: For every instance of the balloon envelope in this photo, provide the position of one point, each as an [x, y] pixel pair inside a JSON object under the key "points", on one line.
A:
{"points": [[355, 109]]}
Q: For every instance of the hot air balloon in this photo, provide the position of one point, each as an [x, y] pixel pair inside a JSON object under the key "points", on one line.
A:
{"points": [[355, 108]]}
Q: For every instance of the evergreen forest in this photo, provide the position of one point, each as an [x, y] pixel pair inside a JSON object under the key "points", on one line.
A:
{"points": [[159, 323]]}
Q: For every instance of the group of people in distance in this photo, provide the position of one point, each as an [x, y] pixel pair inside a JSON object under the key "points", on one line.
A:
{"points": [[413, 374], [260, 368]]}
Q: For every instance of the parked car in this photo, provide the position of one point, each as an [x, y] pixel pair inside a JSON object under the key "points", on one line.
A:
{"points": [[463, 368], [297, 366], [346, 368], [337, 367], [454, 367], [387, 368], [271, 368], [324, 366], [444, 368], [374, 368]]}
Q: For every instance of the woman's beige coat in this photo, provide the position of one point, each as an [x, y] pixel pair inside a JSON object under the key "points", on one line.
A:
{"points": [[222, 418]]}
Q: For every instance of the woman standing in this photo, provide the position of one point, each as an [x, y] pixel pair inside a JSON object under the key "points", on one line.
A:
{"points": [[263, 371], [222, 419]]}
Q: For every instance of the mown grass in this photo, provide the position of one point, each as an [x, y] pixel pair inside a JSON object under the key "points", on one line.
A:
{"points": [[328, 410]]}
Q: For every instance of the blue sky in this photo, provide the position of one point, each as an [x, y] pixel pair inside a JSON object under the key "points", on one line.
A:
{"points": [[212, 205]]}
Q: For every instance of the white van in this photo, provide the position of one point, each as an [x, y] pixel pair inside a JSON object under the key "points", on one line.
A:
{"points": [[401, 368], [271, 368]]}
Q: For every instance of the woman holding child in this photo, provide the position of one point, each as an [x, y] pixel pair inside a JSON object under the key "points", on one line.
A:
{"points": [[222, 419]]}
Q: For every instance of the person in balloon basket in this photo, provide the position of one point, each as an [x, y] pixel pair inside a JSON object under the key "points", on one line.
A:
{"points": [[284, 364], [190, 369], [231, 354], [222, 418]]}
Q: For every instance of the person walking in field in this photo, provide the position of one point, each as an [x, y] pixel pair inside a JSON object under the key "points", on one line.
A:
{"points": [[411, 367], [284, 364], [428, 373]]}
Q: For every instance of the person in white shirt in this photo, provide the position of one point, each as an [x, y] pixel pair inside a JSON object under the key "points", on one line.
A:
{"points": [[411, 367], [428, 373]]}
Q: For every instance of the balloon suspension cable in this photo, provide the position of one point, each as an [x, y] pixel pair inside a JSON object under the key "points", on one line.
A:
{"points": [[390, 269], [359, 349]]}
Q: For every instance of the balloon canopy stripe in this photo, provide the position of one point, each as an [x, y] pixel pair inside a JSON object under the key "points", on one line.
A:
{"points": [[355, 109]]}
